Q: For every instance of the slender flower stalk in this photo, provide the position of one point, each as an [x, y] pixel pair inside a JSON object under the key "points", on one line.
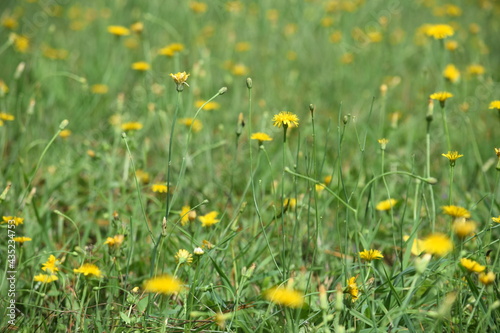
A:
{"points": [[442, 96], [452, 156]]}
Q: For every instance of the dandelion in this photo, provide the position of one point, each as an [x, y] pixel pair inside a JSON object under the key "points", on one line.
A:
{"points": [[496, 219], [441, 96], [164, 284], [440, 31], [451, 45], [192, 123], [285, 296], [210, 106], [451, 73], [352, 288], [9, 22], [99, 89], [180, 80], [242, 46], [239, 70], [21, 43], [142, 175], [131, 126], [137, 27], [45, 278], [88, 269], [159, 188], [487, 278], [417, 247], [386, 204], [289, 203], [141, 66], [21, 240], [438, 244], [383, 143], [209, 219], [187, 215], [495, 105], [12, 220], [118, 30], [183, 257], [261, 137], [66, 133], [463, 228], [4, 88], [114, 241], [471, 265], [456, 211], [198, 7], [319, 187], [6, 116], [452, 156], [50, 266], [370, 255], [285, 119], [327, 180], [475, 69]]}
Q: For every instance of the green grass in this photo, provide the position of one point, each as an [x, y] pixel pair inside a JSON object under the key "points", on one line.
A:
{"points": [[75, 192]]}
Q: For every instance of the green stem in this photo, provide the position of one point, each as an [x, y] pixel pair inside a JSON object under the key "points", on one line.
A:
{"points": [[451, 184], [445, 125]]}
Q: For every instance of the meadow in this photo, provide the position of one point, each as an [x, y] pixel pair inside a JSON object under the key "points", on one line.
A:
{"points": [[249, 166]]}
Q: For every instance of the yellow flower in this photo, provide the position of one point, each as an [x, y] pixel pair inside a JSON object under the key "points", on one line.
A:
{"points": [[116, 240], [65, 133], [319, 187], [183, 256], [50, 266], [242, 46], [417, 247], [327, 180], [164, 284], [451, 45], [239, 70], [22, 239], [289, 203], [286, 119], [142, 175], [171, 49], [456, 211], [131, 126], [210, 106], [496, 219], [15, 220], [440, 31], [88, 269], [99, 89], [180, 80], [261, 137], [451, 73], [44, 278], [472, 266], [441, 96], [285, 296], [159, 188], [9, 22], [438, 244], [383, 143], [187, 215], [336, 36], [352, 288], [198, 7], [370, 255], [487, 278], [386, 204], [495, 105], [4, 89], [475, 69], [21, 43], [463, 228], [452, 156], [347, 58], [118, 30], [137, 27], [141, 66], [209, 219], [192, 123]]}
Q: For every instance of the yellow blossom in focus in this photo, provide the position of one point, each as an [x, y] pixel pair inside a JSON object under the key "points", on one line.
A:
{"points": [[452, 156], [475, 69], [99, 89], [456, 211], [164, 284], [438, 244], [370, 255], [65, 133], [495, 105], [472, 266], [198, 7], [210, 106], [352, 288], [159, 188], [183, 257], [441, 96], [440, 31], [118, 30], [131, 126], [285, 296], [209, 219], [383, 143], [50, 266], [44, 278], [141, 66], [15, 220], [115, 241], [487, 278], [463, 228], [386, 204], [261, 137], [451, 73], [285, 119], [88, 269], [180, 79], [192, 123], [22, 239]]}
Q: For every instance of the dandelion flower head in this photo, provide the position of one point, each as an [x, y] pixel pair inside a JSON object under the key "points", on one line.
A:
{"points": [[472, 266], [164, 284], [438, 244], [285, 119], [386, 204], [183, 257], [285, 296], [440, 31], [88, 269], [370, 255], [209, 219], [456, 211]]}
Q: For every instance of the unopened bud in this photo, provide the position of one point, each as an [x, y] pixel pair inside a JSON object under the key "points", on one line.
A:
{"points": [[323, 299], [249, 83], [383, 90], [222, 90], [19, 70], [430, 110], [63, 124]]}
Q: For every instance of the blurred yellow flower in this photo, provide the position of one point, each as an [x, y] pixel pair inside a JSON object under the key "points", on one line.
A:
{"points": [[50, 266], [44, 278], [438, 244], [141, 66], [88, 269], [198, 7], [194, 124], [142, 175], [496, 219], [159, 188], [451, 45], [475, 69], [456, 211], [417, 247], [463, 228], [285, 119], [285, 296], [386, 204], [370, 255], [131, 126], [239, 70], [487, 278], [472, 266], [210, 106], [118, 30], [440, 31], [164, 284], [352, 288], [99, 89], [209, 219], [242, 46], [441, 96], [114, 241], [495, 105], [10, 22], [14, 220], [451, 73], [336, 36], [187, 215], [22, 239], [183, 257], [66, 133], [21, 43], [261, 137], [137, 27]]}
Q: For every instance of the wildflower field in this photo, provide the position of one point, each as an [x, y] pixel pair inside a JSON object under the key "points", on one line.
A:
{"points": [[249, 166]]}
